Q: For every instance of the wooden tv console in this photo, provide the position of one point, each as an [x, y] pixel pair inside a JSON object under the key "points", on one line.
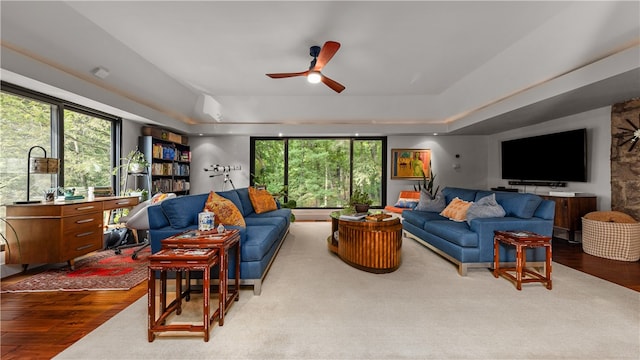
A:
{"points": [[58, 231]]}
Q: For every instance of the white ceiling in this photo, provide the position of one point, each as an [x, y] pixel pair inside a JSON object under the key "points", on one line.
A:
{"points": [[417, 67]]}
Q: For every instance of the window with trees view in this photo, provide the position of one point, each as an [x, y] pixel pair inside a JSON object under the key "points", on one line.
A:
{"points": [[320, 172], [85, 140]]}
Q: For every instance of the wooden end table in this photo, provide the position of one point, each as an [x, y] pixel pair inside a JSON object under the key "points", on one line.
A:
{"points": [[194, 239], [522, 240], [179, 260]]}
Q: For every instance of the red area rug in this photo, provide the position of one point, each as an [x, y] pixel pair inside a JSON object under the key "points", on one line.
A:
{"points": [[102, 270]]}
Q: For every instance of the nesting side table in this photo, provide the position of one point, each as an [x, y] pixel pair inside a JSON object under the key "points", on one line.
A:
{"points": [[179, 260], [522, 240]]}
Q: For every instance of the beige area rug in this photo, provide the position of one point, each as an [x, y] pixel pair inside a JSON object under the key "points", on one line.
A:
{"points": [[314, 306]]}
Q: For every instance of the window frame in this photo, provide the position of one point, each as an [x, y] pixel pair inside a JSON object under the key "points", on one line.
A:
{"points": [[352, 139], [57, 126]]}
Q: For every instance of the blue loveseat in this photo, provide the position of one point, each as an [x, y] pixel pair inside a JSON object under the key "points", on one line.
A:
{"points": [[471, 245], [259, 241]]}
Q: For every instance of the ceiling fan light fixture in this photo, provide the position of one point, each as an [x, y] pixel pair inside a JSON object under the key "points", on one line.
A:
{"points": [[314, 77]]}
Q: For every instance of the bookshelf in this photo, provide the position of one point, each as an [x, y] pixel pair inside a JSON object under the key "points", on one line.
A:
{"points": [[170, 162]]}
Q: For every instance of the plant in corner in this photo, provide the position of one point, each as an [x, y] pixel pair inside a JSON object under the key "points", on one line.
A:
{"points": [[427, 183], [360, 201]]}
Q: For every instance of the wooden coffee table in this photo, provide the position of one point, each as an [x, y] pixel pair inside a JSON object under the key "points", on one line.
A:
{"points": [[373, 246], [522, 240]]}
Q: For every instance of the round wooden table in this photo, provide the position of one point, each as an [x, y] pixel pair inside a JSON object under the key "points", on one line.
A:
{"points": [[373, 246]]}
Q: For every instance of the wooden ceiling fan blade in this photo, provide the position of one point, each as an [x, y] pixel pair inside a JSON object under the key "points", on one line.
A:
{"points": [[326, 53], [336, 86], [286, 75]]}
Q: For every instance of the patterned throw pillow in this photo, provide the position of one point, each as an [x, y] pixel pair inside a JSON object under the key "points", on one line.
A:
{"points": [[486, 207], [261, 200], [224, 210], [436, 204], [457, 210]]}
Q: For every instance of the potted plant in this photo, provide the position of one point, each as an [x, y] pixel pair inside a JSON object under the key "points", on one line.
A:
{"points": [[135, 163], [360, 201]]}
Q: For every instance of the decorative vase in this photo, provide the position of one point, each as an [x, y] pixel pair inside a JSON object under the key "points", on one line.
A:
{"points": [[362, 208]]}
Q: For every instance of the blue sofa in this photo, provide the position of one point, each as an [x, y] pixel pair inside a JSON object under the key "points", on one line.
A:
{"points": [[471, 245], [259, 241]]}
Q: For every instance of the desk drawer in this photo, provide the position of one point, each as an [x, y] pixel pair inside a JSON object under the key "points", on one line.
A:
{"points": [[81, 208], [120, 203], [83, 236]]}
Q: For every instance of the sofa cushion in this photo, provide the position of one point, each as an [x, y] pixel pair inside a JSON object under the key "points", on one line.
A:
{"points": [[518, 205], [262, 200], [407, 199], [451, 193], [456, 210], [427, 203], [454, 232], [235, 199], [486, 207], [247, 207], [183, 210], [224, 210], [259, 240], [419, 218]]}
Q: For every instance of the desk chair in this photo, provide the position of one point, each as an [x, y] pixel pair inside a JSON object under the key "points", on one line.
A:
{"points": [[138, 220]]}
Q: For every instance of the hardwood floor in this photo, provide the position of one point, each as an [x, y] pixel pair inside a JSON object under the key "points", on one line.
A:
{"points": [[41, 325]]}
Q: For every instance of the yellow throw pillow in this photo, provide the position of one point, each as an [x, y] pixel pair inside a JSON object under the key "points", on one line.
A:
{"points": [[457, 210], [262, 200], [224, 210]]}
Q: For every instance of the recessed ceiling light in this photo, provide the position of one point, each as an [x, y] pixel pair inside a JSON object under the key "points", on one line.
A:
{"points": [[435, 134], [100, 72]]}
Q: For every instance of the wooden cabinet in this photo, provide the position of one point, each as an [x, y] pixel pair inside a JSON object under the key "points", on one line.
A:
{"points": [[569, 212], [57, 232], [170, 165]]}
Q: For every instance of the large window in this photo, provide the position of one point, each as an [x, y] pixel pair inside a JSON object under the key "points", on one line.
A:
{"points": [[320, 172], [85, 140]]}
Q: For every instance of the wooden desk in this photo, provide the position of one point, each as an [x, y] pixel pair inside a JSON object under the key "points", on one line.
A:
{"points": [[522, 240], [59, 231]]}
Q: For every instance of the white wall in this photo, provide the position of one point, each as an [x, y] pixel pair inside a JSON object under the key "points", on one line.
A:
{"points": [[220, 150], [472, 172], [598, 125], [479, 157]]}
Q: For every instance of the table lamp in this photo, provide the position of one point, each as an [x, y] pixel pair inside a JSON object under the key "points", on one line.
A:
{"points": [[39, 165]]}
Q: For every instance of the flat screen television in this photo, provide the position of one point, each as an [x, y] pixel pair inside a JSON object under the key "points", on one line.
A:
{"points": [[559, 156]]}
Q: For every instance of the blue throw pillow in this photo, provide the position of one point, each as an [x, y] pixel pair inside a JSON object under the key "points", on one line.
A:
{"points": [[486, 207], [427, 203]]}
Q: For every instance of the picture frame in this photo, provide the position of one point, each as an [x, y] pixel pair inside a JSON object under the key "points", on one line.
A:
{"points": [[410, 164]]}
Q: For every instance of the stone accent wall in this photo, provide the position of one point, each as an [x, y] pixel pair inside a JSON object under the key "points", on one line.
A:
{"points": [[625, 164]]}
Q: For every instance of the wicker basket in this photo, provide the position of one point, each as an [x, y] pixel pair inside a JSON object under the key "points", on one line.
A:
{"points": [[610, 240]]}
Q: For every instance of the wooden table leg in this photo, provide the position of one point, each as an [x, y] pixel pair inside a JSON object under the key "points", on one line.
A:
{"points": [[519, 267], [179, 292], [496, 258], [151, 302], [548, 266], [205, 294], [223, 275]]}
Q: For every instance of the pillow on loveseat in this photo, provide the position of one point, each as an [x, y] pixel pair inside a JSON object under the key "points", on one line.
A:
{"points": [[486, 207], [457, 210], [427, 203], [262, 200], [224, 210]]}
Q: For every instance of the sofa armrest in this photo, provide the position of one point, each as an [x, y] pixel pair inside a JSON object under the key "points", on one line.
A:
{"points": [[157, 218], [485, 228]]}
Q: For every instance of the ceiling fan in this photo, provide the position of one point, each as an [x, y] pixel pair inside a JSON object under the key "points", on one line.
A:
{"points": [[321, 57]]}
